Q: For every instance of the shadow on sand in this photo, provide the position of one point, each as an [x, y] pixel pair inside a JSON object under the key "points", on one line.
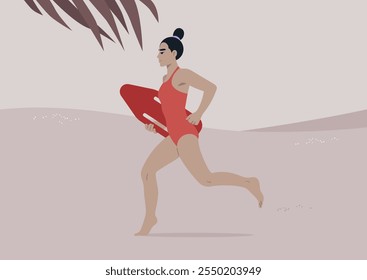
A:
{"points": [[197, 234]]}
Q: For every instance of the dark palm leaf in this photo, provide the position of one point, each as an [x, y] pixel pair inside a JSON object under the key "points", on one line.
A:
{"points": [[116, 10], [133, 13], [80, 12], [72, 11], [151, 7], [105, 11], [87, 15], [49, 8], [33, 6]]}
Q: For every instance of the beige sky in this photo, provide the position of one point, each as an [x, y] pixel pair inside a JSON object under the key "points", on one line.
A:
{"points": [[274, 62]]}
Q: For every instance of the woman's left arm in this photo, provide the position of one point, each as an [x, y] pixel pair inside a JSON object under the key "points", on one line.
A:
{"points": [[200, 83]]}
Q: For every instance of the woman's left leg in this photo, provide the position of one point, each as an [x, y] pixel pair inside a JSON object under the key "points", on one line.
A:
{"points": [[190, 154]]}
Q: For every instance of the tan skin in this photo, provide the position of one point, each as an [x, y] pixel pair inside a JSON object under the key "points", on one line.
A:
{"points": [[187, 148]]}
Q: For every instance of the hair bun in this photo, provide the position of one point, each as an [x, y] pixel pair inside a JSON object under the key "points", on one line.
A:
{"points": [[179, 33]]}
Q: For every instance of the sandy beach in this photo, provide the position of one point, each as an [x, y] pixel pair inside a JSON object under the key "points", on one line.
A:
{"points": [[71, 189]]}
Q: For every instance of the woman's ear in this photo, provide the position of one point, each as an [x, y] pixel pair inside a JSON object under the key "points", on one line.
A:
{"points": [[174, 52]]}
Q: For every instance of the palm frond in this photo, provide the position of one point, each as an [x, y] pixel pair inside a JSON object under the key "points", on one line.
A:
{"points": [[151, 7], [117, 12], [50, 9], [88, 16], [33, 6], [73, 12], [133, 13], [105, 11], [79, 11]]}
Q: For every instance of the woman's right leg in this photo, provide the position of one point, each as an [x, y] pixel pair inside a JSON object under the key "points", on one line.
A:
{"points": [[163, 154]]}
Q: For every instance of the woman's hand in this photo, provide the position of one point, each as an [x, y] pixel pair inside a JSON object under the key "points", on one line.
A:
{"points": [[194, 118], [150, 127]]}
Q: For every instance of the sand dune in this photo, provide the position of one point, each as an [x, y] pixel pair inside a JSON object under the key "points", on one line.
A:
{"points": [[345, 121], [71, 189]]}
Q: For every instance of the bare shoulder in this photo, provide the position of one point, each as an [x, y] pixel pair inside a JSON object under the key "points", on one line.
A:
{"points": [[193, 79], [184, 73]]}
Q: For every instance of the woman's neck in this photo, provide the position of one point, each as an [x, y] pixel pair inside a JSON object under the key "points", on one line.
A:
{"points": [[171, 68]]}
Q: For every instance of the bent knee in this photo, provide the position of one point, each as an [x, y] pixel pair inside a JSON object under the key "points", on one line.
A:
{"points": [[147, 173]]}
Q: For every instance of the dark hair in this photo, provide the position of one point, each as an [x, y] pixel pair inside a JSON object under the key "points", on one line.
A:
{"points": [[174, 44]]}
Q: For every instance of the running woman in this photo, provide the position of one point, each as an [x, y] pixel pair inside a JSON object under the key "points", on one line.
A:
{"points": [[183, 136]]}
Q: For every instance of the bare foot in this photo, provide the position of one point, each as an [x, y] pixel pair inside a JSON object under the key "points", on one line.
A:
{"points": [[147, 226], [255, 190]]}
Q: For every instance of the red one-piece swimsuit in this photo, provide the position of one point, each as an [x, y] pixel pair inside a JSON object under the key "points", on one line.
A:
{"points": [[173, 104]]}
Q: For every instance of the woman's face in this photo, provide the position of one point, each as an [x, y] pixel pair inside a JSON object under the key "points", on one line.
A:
{"points": [[165, 56]]}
